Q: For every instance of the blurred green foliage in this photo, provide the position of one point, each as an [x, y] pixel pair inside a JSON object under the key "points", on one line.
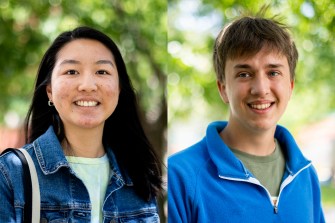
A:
{"points": [[193, 27], [328, 195]]}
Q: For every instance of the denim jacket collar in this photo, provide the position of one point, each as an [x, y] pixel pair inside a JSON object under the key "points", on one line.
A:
{"points": [[51, 157]]}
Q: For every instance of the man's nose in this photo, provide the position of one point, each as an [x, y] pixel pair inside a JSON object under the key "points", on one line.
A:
{"points": [[260, 85]]}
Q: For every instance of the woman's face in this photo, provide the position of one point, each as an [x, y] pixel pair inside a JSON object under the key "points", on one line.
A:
{"points": [[84, 84]]}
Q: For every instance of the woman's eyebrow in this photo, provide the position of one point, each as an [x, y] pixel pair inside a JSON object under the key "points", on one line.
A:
{"points": [[105, 62], [70, 62]]}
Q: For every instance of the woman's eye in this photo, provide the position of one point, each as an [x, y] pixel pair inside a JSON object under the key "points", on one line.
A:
{"points": [[102, 72], [72, 72]]}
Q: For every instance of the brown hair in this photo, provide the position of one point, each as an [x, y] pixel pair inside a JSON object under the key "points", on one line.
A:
{"points": [[246, 37]]}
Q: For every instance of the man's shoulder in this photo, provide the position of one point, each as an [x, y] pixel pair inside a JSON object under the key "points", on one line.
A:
{"points": [[193, 151], [197, 155], [190, 158]]}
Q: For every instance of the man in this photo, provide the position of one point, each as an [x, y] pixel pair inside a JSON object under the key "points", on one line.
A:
{"points": [[248, 169]]}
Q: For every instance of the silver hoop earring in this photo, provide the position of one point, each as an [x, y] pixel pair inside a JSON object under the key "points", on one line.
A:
{"points": [[50, 103]]}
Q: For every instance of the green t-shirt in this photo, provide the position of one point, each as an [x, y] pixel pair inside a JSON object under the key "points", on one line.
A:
{"points": [[268, 170], [94, 172]]}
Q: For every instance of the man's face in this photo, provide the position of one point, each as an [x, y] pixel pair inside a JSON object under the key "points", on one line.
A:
{"points": [[257, 89]]}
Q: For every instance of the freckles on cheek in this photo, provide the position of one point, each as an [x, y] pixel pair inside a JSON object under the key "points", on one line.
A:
{"points": [[63, 97], [112, 90]]}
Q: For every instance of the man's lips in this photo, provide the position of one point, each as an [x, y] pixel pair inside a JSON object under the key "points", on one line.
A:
{"points": [[260, 106]]}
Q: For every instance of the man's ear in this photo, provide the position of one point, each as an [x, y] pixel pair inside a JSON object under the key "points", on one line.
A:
{"points": [[291, 87], [222, 91]]}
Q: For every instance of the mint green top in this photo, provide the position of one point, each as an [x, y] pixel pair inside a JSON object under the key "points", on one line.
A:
{"points": [[94, 172], [268, 170]]}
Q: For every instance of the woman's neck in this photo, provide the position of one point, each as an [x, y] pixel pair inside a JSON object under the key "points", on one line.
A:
{"points": [[83, 143]]}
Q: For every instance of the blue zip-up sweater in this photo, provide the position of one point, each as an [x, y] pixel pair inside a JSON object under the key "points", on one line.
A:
{"points": [[207, 183]]}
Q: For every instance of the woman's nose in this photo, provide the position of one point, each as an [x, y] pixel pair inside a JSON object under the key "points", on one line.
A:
{"points": [[87, 82]]}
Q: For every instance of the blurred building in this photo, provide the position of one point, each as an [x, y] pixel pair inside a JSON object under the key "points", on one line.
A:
{"points": [[317, 142], [11, 137]]}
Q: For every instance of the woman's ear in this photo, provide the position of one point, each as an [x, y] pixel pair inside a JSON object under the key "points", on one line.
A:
{"points": [[49, 92], [222, 91]]}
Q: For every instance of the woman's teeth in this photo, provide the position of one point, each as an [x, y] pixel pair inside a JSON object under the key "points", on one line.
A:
{"points": [[87, 103]]}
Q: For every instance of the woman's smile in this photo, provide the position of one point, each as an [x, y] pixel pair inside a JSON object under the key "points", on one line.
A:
{"points": [[84, 76]]}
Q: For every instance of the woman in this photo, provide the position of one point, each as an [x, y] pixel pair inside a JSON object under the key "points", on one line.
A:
{"points": [[93, 160]]}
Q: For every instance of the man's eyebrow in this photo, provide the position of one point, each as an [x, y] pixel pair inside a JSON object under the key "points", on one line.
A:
{"points": [[274, 65], [247, 66], [105, 62], [243, 66]]}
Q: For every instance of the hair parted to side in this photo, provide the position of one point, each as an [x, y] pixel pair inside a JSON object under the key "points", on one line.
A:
{"points": [[246, 36], [123, 132]]}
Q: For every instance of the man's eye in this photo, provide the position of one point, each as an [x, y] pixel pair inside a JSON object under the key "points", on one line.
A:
{"points": [[72, 72], [243, 75], [102, 72], [274, 73]]}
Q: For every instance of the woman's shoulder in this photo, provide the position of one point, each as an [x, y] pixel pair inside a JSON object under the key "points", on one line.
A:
{"points": [[10, 167], [9, 158]]}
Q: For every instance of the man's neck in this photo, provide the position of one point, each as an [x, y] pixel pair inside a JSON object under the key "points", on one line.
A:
{"points": [[259, 143]]}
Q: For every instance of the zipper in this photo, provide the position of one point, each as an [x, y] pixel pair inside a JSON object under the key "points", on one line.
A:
{"points": [[256, 182], [286, 182], [276, 209]]}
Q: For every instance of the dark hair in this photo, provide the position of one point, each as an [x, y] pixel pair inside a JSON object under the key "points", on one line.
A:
{"points": [[123, 131], [246, 37]]}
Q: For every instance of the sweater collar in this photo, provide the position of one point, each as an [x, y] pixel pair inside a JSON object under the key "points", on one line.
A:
{"points": [[295, 160], [230, 166]]}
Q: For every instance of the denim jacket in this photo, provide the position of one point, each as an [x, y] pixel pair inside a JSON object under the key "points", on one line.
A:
{"points": [[64, 198]]}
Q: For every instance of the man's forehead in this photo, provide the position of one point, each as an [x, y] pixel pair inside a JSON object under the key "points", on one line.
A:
{"points": [[266, 55], [245, 54], [261, 60]]}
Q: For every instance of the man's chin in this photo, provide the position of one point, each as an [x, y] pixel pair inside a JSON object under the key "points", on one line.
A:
{"points": [[263, 126]]}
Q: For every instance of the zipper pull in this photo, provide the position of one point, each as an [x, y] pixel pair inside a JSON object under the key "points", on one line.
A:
{"points": [[275, 208]]}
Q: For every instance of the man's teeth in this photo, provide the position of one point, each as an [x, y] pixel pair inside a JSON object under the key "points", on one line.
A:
{"points": [[87, 103], [261, 106]]}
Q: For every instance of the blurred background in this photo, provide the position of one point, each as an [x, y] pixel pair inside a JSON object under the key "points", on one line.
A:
{"points": [[193, 99], [174, 39], [27, 28]]}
